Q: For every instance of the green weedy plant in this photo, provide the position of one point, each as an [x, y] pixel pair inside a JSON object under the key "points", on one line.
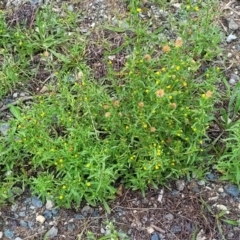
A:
{"points": [[228, 162], [79, 139]]}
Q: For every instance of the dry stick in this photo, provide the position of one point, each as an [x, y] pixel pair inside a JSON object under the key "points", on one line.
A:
{"points": [[22, 99]]}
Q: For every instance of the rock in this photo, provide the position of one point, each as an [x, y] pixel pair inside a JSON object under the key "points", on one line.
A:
{"points": [[71, 227], [4, 127], [40, 219], [180, 184], [169, 217], [14, 207], [230, 235], [232, 190], [201, 183], [211, 176], [18, 238], [70, 8], [30, 224], [220, 190], [8, 233], [150, 230], [176, 229], [36, 202], [174, 192], [233, 79], [49, 204], [15, 95], [222, 208], [55, 212], [230, 38], [95, 213], [155, 236], [22, 214], [51, 233], [47, 214], [79, 216], [232, 24], [87, 210], [1, 234], [23, 224]]}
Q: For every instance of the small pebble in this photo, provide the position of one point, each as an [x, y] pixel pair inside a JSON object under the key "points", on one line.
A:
{"points": [[22, 214], [8, 233], [55, 212], [40, 219], [47, 214], [36, 202], [201, 183], [15, 95], [229, 55], [49, 204], [176, 229], [1, 234], [230, 38], [180, 184], [211, 176], [155, 236], [71, 227], [169, 217], [220, 190], [30, 224], [23, 224], [14, 207], [4, 127], [87, 210], [232, 24], [79, 216], [52, 233], [18, 238], [232, 190]]}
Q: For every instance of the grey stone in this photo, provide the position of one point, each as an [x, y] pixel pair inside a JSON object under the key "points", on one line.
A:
{"points": [[49, 204], [169, 217], [180, 184], [230, 235], [211, 176], [87, 210], [15, 95], [155, 236], [234, 78], [36, 202], [47, 214], [30, 224], [18, 238], [70, 8], [174, 192], [52, 233], [201, 183], [176, 229], [232, 190], [22, 214], [23, 223], [232, 24], [95, 213], [55, 212], [4, 128], [79, 216], [14, 207], [8, 233], [71, 227], [230, 38]]}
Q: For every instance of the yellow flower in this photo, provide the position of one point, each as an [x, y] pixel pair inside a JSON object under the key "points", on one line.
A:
{"points": [[156, 167], [88, 184], [64, 187], [61, 197], [139, 10], [196, 8]]}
